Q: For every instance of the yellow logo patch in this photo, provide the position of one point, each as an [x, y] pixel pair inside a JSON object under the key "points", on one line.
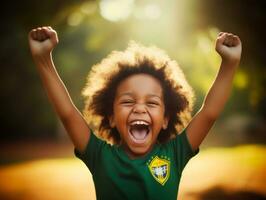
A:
{"points": [[160, 169]]}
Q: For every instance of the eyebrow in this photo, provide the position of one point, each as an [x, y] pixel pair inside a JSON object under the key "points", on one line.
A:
{"points": [[131, 94]]}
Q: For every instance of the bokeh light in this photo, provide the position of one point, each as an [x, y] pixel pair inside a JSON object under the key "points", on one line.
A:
{"points": [[88, 31], [75, 19], [116, 10]]}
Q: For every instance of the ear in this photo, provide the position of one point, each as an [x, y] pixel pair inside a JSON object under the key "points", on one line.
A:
{"points": [[111, 121], [165, 122]]}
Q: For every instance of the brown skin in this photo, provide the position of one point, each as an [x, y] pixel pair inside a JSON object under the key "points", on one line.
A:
{"points": [[42, 41], [139, 97], [229, 48]]}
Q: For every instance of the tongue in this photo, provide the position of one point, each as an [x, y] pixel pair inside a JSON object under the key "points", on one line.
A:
{"points": [[139, 134]]}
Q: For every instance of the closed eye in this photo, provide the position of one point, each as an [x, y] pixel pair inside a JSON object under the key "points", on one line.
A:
{"points": [[127, 102], [153, 103]]}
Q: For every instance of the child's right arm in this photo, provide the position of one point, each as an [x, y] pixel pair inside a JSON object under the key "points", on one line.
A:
{"points": [[42, 41]]}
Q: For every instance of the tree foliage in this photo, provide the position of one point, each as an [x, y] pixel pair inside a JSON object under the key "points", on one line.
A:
{"points": [[185, 29]]}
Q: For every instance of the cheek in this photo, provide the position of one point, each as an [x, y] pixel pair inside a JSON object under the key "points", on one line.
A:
{"points": [[158, 117], [157, 113], [121, 115]]}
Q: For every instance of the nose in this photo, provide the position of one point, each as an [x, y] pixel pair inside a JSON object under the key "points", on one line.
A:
{"points": [[139, 108]]}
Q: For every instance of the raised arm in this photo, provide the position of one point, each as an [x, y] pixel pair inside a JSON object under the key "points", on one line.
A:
{"points": [[42, 41], [229, 48]]}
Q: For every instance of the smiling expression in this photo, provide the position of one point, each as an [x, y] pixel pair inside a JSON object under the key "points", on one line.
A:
{"points": [[139, 113]]}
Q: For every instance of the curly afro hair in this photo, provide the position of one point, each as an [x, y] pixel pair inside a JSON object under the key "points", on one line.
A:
{"points": [[104, 78]]}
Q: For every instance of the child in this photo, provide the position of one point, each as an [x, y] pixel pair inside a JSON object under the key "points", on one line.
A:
{"points": [[137, 100]]}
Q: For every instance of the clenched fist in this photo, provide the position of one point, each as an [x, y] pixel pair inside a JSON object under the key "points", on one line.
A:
{"points": [[42, 40], [229, 47]]}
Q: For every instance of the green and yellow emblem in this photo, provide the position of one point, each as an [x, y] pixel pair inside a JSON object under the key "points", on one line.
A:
{"points": [[160, 169]]}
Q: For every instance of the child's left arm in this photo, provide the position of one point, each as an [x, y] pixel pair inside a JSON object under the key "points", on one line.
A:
{"points": [[229, 47]]}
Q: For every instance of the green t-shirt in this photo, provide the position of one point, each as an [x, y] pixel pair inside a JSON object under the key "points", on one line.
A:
{"points": [[155, 176]]}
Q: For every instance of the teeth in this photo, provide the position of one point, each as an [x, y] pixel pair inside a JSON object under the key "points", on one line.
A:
{"points": [[139, 123]]}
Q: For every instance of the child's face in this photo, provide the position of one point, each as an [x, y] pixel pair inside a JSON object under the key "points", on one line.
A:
{"points": [[139, 113]]}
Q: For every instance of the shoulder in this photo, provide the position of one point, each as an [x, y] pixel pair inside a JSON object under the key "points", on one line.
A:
{"points": [[181, 144], [94, 146]]}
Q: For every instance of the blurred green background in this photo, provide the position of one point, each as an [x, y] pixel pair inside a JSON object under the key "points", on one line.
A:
{"points": [[36, 156], [89, 30]]}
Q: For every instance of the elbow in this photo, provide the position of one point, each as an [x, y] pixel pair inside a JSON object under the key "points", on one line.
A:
{"points": [[210, 113], [67, 115]]}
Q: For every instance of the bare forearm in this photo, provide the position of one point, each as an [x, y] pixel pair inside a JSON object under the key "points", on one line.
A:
{"points": [[220, 90], [55, 88], [229, 48], [42, 41]]}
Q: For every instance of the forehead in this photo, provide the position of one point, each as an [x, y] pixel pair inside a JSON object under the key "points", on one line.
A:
{"points": [[140, 84]]}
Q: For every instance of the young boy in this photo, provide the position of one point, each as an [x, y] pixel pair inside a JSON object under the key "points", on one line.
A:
{"points": [[138, 100]]}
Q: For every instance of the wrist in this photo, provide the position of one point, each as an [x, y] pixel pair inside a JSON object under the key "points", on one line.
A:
{"points": [[43, 60], [233, 63]]}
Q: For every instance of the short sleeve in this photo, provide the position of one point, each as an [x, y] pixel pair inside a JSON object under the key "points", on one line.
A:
{"points": [[92, 152], [182, 150]]}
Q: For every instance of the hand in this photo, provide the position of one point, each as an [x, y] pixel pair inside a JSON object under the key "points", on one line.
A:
{"points": [[229, 47], [42, 40]]}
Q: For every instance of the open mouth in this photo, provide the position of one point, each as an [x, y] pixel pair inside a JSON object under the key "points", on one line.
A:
{"points": [[139, 131]]}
